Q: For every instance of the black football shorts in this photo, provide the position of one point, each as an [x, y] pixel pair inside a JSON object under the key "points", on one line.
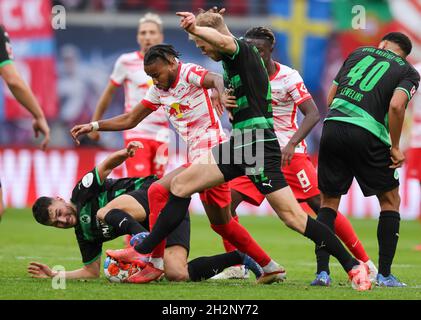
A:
{"points": [[348, 151]]}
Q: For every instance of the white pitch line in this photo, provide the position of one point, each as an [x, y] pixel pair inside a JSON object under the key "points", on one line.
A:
{"points": [[43, 258]]}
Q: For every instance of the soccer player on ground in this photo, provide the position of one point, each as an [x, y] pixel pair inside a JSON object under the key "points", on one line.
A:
{"points": [[102, 209], [22, 93], [129, 71], [361, 136], [414, 152], [288, 94], [253, 125], [181, 89]]}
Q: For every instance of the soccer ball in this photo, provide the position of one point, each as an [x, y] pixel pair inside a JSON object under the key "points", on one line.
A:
{"points": [[116, 271]]}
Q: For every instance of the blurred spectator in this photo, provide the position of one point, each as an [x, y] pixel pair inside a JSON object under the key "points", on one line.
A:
{"points": [[234, 7], [72, 4], [143, 5]]}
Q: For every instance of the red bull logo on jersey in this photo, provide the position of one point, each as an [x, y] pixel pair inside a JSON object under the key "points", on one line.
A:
{"points": [[177, 110]]}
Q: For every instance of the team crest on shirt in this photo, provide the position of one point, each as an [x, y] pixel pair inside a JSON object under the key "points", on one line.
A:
{"points": [[177, 110], [85, 219], [88, 179]]}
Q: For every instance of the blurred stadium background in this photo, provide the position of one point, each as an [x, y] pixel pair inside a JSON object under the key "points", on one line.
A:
{"points": [[68, 69]]}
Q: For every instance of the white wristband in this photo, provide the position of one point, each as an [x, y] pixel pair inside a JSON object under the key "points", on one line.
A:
{"points": [[95, 125]]}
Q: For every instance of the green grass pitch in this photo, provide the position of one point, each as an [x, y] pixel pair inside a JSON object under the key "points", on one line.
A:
{"points": [[22, 240]]}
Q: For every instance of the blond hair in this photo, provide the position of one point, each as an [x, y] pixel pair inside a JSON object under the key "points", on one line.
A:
{"points": [[210, 19], [152, 17]]}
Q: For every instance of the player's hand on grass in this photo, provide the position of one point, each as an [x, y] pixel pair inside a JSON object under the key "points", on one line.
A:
{"points": [[287, 154], [40, 126], [397, 158], [79, 130], [188, 21], [39, 270], [132, 147], [94, 135]]}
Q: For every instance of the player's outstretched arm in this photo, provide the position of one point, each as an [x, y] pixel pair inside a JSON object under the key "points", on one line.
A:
{"points": [[223, 43], [396, 116], [311, 118], [26, 98], [122, 122], [90, 271], [117, 158], [102, 106]]}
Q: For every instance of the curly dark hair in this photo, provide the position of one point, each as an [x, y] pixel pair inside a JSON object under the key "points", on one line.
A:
{"points": [[161, 51], [261, 33]]}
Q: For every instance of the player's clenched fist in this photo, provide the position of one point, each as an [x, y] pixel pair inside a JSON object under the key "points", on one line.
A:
{"points": [[132, 148]]}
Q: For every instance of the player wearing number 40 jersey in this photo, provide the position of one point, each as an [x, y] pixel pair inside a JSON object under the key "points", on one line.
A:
{"points": [[289, 94], [361, 136]]}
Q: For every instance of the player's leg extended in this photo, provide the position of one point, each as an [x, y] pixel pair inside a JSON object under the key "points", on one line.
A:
{"points": [[345, 231], [291, 213], [242, 189], [196, 178], [387, 236], [158, 195], [237, 198]]}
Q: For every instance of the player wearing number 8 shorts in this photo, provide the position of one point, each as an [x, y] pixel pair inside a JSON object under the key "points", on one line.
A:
{"points": [[289, 94]]}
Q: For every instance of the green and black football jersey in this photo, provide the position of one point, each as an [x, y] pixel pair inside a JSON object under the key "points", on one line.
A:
{"points": [[89, 195], [246, 74], [5, 48], [366, 83]]}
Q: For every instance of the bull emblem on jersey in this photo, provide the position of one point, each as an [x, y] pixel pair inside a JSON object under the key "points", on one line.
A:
{"points": [[177, 110]]}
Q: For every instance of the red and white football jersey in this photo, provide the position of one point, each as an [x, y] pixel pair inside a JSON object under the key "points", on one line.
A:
{"points": [[416, 116], [189, 109], [129, 71], [288, 91]]}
